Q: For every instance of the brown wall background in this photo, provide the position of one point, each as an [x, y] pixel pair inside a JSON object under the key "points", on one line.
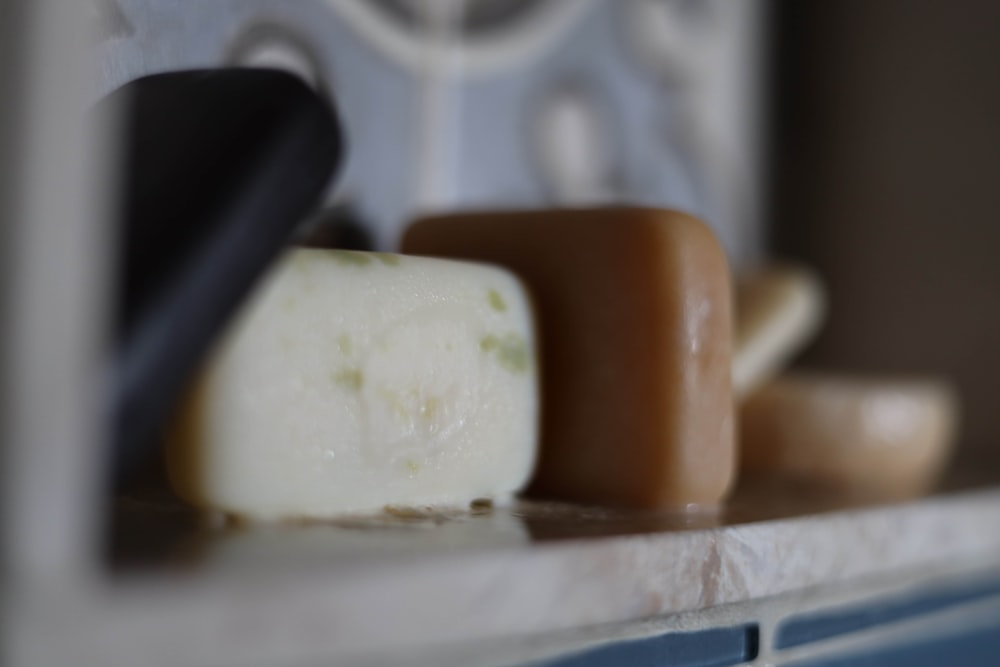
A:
{"points": [[887, 178]]}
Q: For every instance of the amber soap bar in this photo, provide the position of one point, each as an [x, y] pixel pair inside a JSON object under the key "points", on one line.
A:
{"points": [[635, 334], [894, 435]]}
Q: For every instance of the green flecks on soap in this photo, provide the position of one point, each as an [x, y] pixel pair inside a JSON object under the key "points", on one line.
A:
{"points": [[511, 351], [350, 378], [396, 403], [429, 408], [344, 343], [412, 466], [387, 258], [351, 257], [497, 302]]}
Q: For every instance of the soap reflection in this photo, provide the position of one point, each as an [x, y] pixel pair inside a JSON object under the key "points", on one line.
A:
{"points": [[158, 533], [291, 546], [186, 540], [559, 521]]}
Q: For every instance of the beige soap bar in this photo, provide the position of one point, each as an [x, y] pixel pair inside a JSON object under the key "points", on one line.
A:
{"points": [[779, 309], [355, 381], [635, 330], [850, 432]]}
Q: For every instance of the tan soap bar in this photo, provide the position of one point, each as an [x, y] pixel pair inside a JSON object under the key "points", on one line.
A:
{"points": [[355, 381], [847, 432], [635, 330], [779, 309]]}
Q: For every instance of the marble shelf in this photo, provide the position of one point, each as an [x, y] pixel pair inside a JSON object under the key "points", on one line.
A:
{"points": [[178, 586]]}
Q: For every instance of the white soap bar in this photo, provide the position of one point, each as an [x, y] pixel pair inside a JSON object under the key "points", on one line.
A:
{"points": [[355, 381]]}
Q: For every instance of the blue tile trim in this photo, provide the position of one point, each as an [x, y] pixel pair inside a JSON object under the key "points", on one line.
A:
{"points": [[979, 648], [823, 625], [718, 647]]}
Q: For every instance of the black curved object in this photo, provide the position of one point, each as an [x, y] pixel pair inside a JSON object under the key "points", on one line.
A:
{"points": [[219, 167]]}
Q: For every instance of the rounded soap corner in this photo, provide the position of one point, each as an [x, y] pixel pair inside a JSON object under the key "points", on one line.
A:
{"points": [[659, 216], [673, 225]]}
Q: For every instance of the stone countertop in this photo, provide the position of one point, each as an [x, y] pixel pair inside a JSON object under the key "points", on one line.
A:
{"points": [[395, 581]]}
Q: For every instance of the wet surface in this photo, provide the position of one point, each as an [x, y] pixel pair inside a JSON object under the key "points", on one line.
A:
{"points": [[150, 529]]}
